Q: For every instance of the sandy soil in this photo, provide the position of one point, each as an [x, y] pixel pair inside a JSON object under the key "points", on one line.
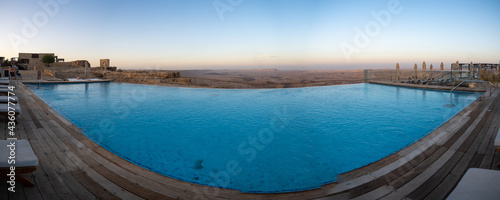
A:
{"points": [[275, 78], [266, 78]]}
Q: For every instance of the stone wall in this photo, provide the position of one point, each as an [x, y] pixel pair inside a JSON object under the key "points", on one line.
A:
{"points": [[49, 73], [59, 75]]}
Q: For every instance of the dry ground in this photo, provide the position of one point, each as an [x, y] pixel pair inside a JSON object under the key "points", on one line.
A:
{"points": [[240, 78], [279, 78]]}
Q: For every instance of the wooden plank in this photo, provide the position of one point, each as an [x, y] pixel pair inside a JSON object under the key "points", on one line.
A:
{"points": [[488, 158], [65, 157], [475, 133], [43, 184], [469, 145], [76, 149], [476, 116], [117, 179], [444, 189], [36, 122], [367, 169], [488, 147], [4, 193], [94, 156], [384, 180], [76, 186], [40, 176], [99, 191], [451, 180], [68, 186], [19, 194], [476, 161], [492, 131], [32, 193], [408, 176], [433, 182], [77, 164], [51, 134]]}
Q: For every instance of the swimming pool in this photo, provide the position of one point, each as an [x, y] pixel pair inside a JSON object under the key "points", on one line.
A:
{"points": [[261, 140]]}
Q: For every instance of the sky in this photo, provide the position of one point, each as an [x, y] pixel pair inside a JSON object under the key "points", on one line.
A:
{"points": [[254, 34]]}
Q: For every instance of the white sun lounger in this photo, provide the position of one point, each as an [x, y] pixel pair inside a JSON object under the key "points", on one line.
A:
{"points": [[26, 160], [4, 82], [477, 184], [5, 99], [4, 110], [4, 90]]}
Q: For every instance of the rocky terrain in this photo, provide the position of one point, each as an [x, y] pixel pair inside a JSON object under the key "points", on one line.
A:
{"points": [[267, 78]]}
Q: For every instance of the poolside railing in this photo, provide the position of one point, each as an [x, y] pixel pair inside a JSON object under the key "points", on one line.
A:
{"points": [[412, 75], [463, 78]]}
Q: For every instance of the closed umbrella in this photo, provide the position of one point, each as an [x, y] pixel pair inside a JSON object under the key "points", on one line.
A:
{"points": [[415, 68], [424, 66], [442, 68], [471, 70], [397, 71]]}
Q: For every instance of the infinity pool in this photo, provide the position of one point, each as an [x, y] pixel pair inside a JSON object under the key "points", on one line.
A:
{"points": [[260, 140]]}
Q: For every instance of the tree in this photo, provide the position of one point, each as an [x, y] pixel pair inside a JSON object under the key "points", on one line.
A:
{"points": [[6, 62], [48, 59]]}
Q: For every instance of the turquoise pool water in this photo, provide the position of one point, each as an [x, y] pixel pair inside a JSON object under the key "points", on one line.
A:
{"points": [[263, 140]]}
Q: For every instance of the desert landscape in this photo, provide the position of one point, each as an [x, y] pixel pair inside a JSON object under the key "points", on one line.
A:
{"points": [[231, 79], [271, 78]]}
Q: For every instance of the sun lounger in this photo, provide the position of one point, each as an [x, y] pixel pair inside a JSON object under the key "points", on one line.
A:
{"points": [[4, 82], [477, 184], [25, 159], [4, 90], [5, 99], [4, 110]]}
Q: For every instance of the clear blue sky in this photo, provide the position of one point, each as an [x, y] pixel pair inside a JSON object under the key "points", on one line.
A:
{"points": [[307, 34]]}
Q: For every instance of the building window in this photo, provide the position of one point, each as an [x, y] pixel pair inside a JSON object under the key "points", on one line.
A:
{"points": [[27, 61], [34, 55]]}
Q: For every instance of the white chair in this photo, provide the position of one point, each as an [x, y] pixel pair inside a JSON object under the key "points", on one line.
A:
{"points": [[26, 160], [477, 184]]}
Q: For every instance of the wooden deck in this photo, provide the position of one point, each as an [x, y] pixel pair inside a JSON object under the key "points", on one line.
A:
{"points": [[73, 167]]}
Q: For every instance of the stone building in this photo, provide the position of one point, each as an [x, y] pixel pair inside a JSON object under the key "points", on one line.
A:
{"points": [[31, 61], [104, 63]]}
